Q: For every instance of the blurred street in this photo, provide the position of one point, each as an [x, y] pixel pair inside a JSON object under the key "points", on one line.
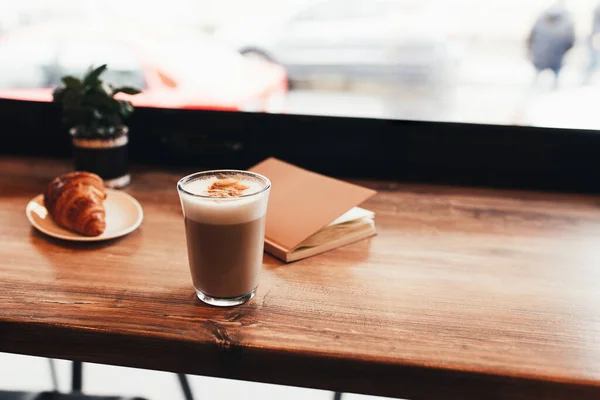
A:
{"points": [[493, 88], [479, 47]]}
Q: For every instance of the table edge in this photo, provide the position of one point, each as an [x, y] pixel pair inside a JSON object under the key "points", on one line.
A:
{"points": [[225, 359]]}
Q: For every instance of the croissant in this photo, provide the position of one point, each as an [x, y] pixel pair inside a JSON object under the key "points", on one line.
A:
{"points": [[75, 201]]}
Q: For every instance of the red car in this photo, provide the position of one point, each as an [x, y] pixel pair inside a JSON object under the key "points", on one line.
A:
{"points": [[173, 71]]}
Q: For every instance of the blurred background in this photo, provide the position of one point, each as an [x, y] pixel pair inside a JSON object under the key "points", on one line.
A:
{"points": [[438, 60]]}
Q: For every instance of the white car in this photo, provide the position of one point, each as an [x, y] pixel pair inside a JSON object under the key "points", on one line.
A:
{"points": [[405, 40]]}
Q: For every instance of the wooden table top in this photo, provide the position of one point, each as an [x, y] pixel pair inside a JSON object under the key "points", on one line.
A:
{"points": [[463, 294]]}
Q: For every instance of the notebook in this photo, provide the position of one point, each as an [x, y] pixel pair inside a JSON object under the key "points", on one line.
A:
{"points": [[309, 213]]}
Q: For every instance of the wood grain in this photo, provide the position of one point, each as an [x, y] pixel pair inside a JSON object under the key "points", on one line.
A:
{"points": [[464, 294]]}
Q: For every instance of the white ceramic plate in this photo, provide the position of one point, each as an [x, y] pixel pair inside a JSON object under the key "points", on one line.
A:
{"points": [[123, 215]]}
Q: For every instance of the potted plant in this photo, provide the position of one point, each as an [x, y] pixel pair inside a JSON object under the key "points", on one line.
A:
{"points": [[95, 119]]}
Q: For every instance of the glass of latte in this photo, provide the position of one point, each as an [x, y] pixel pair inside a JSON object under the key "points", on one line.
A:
{"points": [[224, 214]]}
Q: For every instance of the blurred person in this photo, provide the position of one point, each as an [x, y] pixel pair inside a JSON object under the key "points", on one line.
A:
{"points": [[551, 37], [593, 46]]}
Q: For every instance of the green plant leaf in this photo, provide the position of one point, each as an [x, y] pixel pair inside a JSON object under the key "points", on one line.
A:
{"points": [[58, 94], [97, 98], [127, 90], [71, 82], [90, 105], [71, 98], [92, 77], [125, 108]]}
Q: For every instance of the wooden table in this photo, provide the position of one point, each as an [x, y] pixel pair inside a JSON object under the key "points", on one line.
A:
{"points": [[464, 294]]}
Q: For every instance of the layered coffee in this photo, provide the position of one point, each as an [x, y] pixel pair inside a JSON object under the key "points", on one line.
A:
{"points": [[225, 221]]}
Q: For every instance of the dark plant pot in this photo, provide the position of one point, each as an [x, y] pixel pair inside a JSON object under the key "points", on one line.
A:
{"points": [[105, 157]]}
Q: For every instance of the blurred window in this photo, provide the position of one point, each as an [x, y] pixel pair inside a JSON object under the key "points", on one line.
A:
{"points": [[124, 69], [437, 60], [359, 9], [331, 10], [26, 63], [322, 11]]}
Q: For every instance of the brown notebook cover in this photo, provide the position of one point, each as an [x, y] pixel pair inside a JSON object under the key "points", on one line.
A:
{"points": [[301, 203]]}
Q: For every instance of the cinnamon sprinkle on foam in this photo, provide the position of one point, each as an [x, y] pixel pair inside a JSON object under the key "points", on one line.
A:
{"points": [[226, 188]]}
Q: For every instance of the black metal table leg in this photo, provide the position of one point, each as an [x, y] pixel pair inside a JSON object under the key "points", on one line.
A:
{"points": [[77, 377], [185, 387], [337, 396]]}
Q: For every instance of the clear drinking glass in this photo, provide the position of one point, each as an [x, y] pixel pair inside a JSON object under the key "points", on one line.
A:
{"points": [[225, 236]]}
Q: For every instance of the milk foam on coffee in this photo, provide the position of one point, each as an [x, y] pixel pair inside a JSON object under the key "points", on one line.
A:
{"points": [[224, 210]]}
